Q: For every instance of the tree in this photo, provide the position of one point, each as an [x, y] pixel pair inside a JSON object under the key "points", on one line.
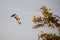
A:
{"points": [[51, 20]]}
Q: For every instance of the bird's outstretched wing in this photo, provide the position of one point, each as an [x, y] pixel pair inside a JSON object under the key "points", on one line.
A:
{"points": [[13, 15]]}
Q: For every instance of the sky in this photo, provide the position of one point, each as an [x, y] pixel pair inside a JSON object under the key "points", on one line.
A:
{"points": [[25, 9]]}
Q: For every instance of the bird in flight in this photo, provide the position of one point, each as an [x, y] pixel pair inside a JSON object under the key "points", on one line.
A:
{"points": [[16, 17]]}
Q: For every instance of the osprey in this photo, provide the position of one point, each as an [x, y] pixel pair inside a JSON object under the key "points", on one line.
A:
{"points": [[16, 17]]}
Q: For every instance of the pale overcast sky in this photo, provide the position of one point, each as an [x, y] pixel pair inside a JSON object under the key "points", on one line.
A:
{"points": [[11, 30]]}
